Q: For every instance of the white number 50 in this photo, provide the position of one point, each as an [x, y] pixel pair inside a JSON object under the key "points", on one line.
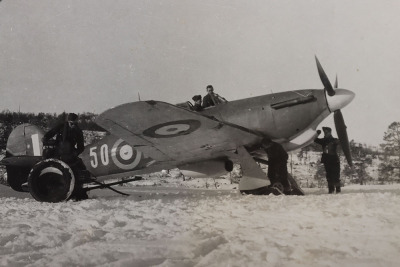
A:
{"points": [[103, 156]]}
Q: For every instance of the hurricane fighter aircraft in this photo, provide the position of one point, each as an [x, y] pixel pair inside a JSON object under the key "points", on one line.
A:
{"points": [[150, 136]]}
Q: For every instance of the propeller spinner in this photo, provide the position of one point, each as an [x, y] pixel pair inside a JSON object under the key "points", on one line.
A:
{"points": [[337, 99]]}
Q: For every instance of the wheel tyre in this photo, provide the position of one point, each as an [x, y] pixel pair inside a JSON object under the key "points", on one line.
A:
{"points": [[51, 180], [16, 177]]}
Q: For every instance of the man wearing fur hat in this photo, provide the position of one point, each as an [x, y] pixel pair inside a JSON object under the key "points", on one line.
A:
{"points": [[330, 159], [197, 103]]}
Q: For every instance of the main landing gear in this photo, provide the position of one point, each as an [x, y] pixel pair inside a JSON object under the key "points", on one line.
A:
{"points": [[52, 180]]}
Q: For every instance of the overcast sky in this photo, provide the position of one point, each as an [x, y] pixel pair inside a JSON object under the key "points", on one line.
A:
{"points": [[91, 55]]}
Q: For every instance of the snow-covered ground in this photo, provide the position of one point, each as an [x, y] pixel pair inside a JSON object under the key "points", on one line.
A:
{"points": [[180, 226]]}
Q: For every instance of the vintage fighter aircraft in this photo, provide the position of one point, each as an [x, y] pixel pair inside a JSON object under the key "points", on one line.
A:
{"points": [[150, 136]]}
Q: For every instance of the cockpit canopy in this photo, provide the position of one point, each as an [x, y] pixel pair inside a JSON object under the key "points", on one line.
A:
{"points": [[188, 105]]}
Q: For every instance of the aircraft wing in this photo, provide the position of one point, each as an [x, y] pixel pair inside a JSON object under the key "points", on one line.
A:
{"points": [[166, 132]]}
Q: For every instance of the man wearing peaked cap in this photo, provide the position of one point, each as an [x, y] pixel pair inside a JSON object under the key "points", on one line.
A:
{"points": [[72, 117]]}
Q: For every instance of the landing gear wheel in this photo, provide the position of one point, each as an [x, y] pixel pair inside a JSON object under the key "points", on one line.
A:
{"points": [[51, 180]]}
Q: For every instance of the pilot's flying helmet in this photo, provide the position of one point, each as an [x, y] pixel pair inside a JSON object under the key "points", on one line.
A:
{"points": [[196, 97]]}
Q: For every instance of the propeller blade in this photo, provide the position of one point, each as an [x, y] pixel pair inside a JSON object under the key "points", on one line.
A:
{"points": [[342, 134], [324, 79], [336, 82]]}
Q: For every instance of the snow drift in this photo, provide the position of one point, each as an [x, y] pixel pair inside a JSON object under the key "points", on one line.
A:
{"points": [[195, 227]]}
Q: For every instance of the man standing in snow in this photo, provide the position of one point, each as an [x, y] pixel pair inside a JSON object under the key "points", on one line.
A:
{"points": [[69, 144], [69, 139], [330, 159], [277, 165]]}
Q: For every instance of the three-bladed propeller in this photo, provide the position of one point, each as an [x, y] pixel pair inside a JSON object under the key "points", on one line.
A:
{"points": [[337, 101]]}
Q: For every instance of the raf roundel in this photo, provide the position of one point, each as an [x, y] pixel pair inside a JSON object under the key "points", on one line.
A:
{"points": [[124, 156], [172, 129]]}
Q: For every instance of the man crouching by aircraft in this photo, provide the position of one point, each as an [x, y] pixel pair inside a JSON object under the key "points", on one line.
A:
{"points": [[277, 166], [67, 146]]}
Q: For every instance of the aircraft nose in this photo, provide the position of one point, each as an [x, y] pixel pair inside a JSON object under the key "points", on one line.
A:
{"points": [[341, 99]]}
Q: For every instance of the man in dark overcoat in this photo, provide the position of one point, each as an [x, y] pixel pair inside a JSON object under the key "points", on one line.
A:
{"points": [[330, 159]]}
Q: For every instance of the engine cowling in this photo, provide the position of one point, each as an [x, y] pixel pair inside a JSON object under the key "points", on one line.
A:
{"points": [[51, 180], [207, 168]]}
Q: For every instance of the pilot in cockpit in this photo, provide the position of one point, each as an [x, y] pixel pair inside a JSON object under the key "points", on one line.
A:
{"points": [[197, 103], [212, 99]]}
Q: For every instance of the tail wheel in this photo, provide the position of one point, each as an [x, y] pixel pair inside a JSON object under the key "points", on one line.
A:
{"points": [[51, 180]]}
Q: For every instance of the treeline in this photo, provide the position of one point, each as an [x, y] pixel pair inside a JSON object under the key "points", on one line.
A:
{"points": [[9, 120]]}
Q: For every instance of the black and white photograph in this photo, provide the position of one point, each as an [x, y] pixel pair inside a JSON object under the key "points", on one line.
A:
{"points": [[182, 133]]}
